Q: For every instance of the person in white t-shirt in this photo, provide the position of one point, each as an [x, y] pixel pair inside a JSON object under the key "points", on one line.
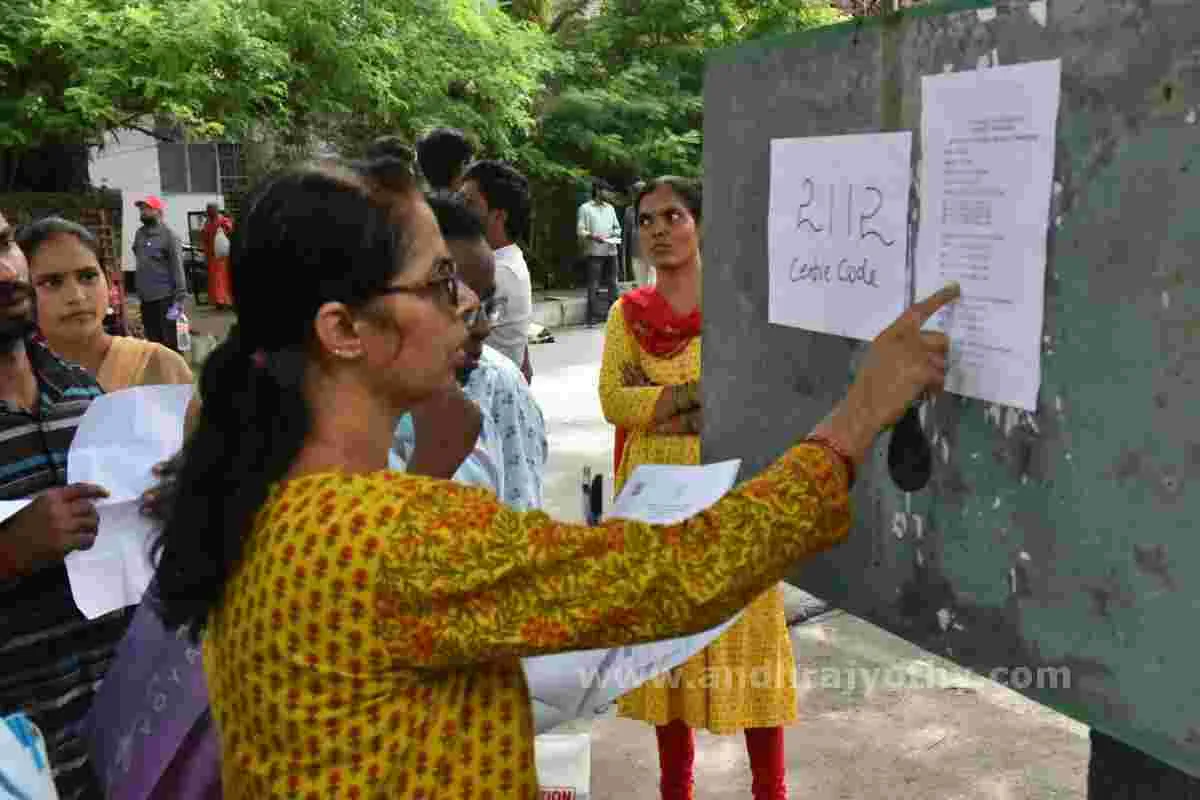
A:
{"points": [[500, 196]]}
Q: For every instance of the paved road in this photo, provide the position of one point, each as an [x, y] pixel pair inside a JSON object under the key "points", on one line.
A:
{"points": [[565, 385], [946, 738]]}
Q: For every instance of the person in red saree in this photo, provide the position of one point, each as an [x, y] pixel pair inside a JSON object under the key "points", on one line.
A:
{"points": [[649, 389], [220, 292]]}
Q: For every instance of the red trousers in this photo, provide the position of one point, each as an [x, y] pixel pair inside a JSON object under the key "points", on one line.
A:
{"points": [[677, 753]]}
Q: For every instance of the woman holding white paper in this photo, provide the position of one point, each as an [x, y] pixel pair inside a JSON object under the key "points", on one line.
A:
{"points": [[363, 627], [72, 298]]}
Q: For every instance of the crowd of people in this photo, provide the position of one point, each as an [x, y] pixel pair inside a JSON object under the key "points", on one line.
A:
{"points": [[352, 535]]}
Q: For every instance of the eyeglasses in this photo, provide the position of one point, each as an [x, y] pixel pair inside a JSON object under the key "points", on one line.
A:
{"points": [[491, 309], [444, 282]]}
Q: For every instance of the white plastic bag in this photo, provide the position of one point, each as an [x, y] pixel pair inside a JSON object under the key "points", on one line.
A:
{"points": [[564, 763], [24, 764], [221, 244]]}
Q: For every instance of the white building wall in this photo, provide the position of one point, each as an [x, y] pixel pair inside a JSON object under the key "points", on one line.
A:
{"points": [[128, 162]]}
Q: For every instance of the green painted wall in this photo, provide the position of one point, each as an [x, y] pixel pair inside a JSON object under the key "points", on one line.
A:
{"points": [[1056, 540]]}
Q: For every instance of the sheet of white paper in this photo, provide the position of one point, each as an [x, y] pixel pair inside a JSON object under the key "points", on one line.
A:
{"points": [[664, 494], [115, 572], [989, 142], [545, 716], [124, 434], [569, 686], [10, 507], [564, 765], [837, 232], [120, 439]]}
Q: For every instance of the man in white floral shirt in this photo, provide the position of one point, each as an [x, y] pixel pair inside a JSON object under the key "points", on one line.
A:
{"points": [[509, 451]]}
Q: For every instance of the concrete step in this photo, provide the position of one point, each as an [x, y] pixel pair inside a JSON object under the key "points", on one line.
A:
{"points": [[564, 308], [560, 310]]}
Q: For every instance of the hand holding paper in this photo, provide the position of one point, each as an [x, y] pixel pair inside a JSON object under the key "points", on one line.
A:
{"points": [[57, 522], [120, 440]]}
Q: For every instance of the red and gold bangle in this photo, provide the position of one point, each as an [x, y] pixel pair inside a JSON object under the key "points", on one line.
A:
{"points": [[829, 444]]}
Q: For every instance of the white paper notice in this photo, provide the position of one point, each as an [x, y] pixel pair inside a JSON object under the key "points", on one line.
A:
{"points": [[585, 683], [989, 141], [120, 439], [837, 232]]}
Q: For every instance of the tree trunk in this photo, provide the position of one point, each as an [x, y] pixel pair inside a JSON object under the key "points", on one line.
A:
{"points": [[47, 168]]}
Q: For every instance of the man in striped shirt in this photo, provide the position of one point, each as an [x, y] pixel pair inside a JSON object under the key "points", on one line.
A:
{"points": [[52, 659]]}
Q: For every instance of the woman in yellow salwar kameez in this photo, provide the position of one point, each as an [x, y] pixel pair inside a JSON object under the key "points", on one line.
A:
{"points": [[364, 628], [649, 389]]}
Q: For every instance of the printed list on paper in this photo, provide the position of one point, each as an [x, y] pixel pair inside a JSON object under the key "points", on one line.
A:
{"points": [[989, 140], [837, 232]]}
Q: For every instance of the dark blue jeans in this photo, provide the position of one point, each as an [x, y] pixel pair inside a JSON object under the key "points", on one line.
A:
{"points": [[156, 325]]}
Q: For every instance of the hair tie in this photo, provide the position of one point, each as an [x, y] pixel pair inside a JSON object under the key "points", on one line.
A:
{"points": [[259, 358]]}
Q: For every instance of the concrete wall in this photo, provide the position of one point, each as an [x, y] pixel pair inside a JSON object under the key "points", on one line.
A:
{"points": [[1061, 539], [129, 162]]}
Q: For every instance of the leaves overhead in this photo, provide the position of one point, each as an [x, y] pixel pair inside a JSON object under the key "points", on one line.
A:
{"points": [[300, 70], [564, 90], [631, 102]]}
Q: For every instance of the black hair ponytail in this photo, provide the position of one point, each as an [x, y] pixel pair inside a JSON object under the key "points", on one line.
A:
{"points": [[252, 427], [310, 236]]}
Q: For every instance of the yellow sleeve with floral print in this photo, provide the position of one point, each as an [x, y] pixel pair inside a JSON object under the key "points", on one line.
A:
{"points": [[464, 579], [624, 406]]}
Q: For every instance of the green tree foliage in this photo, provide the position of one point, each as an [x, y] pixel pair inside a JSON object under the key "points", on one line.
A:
{"points": [[291, 71], [71, 69], [362, 67], [630, 101], [561, 87]]}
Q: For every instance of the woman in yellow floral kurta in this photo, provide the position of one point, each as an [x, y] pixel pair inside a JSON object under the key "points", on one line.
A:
{"points": [[744, 681], [363, 629]]}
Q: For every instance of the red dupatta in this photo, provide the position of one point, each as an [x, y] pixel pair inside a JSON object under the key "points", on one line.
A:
{"points": [[659, 331]]}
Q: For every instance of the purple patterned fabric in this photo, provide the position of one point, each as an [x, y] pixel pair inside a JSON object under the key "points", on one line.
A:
{"points": [[150, 733]]}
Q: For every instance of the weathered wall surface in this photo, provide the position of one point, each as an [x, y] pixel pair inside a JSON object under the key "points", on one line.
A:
{"points": [[1063, 538]]}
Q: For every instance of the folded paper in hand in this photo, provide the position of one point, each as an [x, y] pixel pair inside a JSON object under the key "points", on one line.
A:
{"points": [[582, 684], [119, 441]]}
